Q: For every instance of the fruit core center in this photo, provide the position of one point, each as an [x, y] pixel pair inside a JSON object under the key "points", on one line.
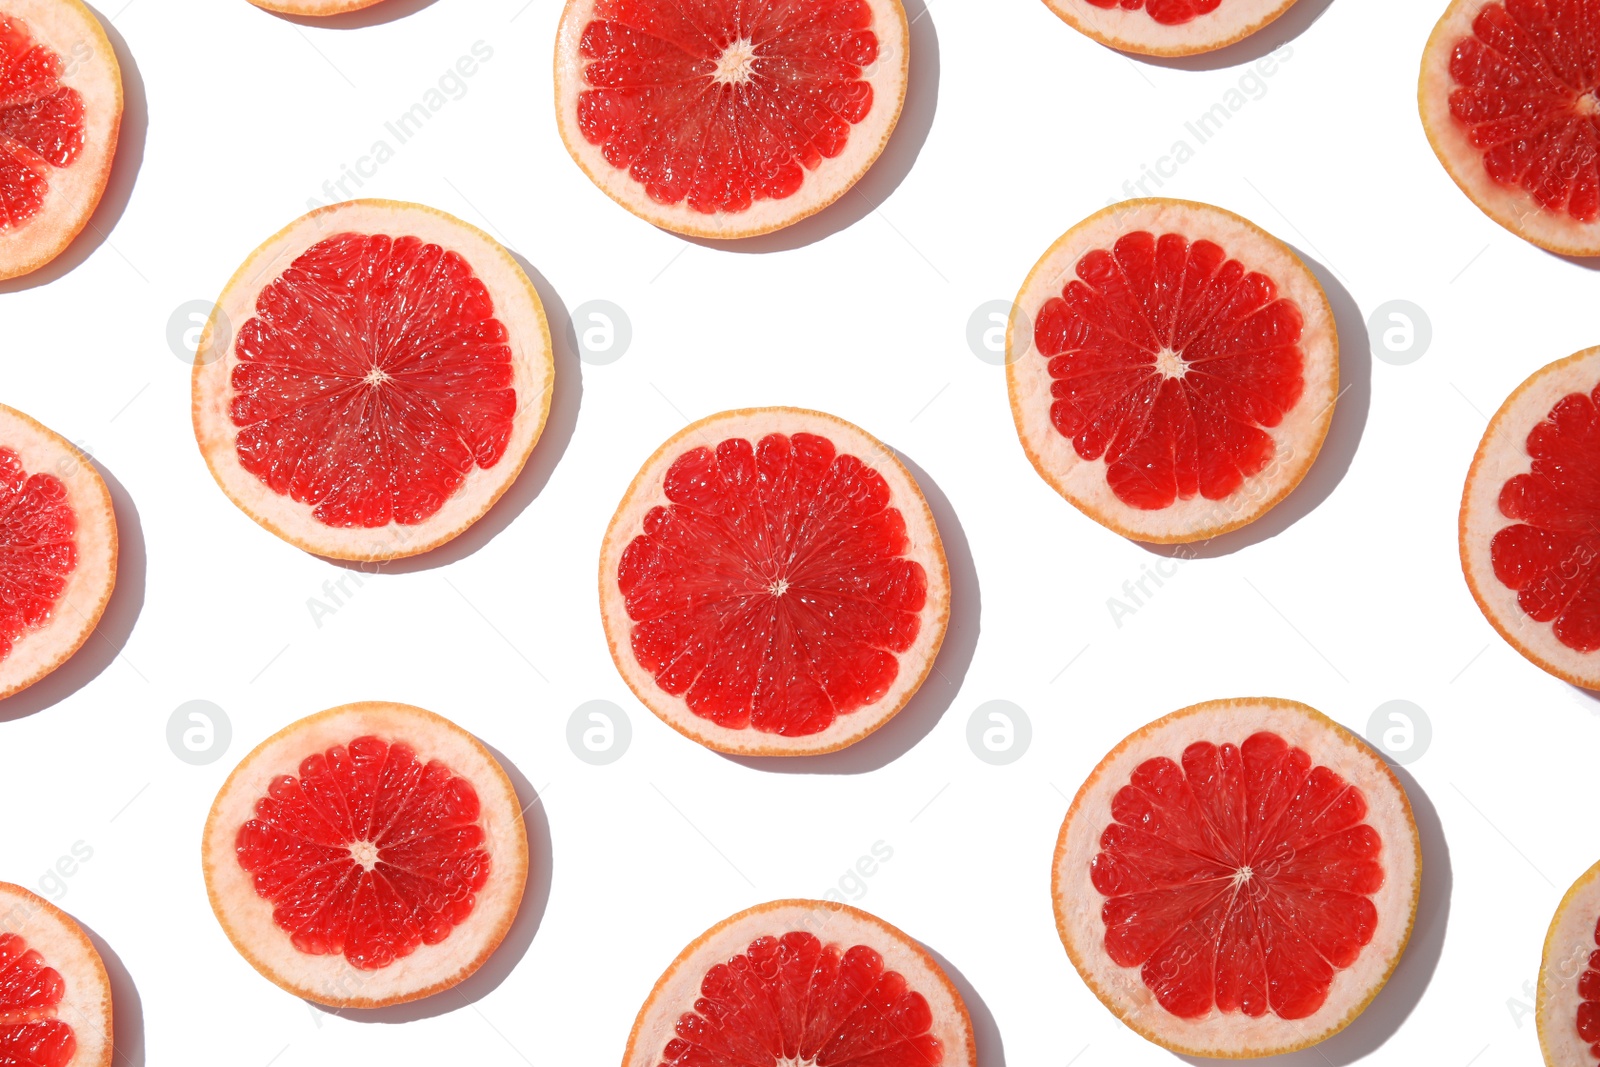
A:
{"points": [[365, 853], [376, 376], [1588, 104], [779, 587], [786, 1061], [737, 64], [1242, 876], [1170, 364]]}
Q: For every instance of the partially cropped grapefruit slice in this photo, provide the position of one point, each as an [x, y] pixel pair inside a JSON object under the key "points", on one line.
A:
{"points": [[369, 855], [55, 997], [718, 118], [313, 8], [372, 380], [1530, 520], [58, 550], [1238, 878], [773, 584], [1568, 1001], [803, 982], [60, 110], [1172, 369], [1168, 27], [1510, 98]]}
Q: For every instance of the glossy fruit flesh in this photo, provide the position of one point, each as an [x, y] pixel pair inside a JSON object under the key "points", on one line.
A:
{"points": [[722, 102], [1170, 362], [37, 548], [369, 852], [30, 994], [1166, 12], [41, 122], [772, 591], [371, 380], [1551, 555], [791, 999], [1239, 880], [1527, 82], [1589, 1006]]}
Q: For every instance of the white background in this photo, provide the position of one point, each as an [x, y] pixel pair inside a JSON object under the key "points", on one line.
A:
{"points": [[1347, 596]]}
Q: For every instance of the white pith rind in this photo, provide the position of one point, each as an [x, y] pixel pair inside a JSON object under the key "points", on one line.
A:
{"points": [[38, 652], [516, 306], [89, 65], [1078, 903], [647, 492], [86, 1004], [1509, 205], [833, 924], [1567, 947], [313, 7], [1135, 31], [246, 917], [830, 180], [1503, 454], [1298, 437]]}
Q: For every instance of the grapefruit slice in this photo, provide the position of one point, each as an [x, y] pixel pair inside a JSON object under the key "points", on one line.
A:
{"points": [[1168, 27], [1567, 1008], [313, 8], [1238, 878], [55, 997], [58, 550], [369, 855], [372, 380], [716, 118], [772, 583], [1179, 373], [803, 982], [1530, 520], [1510, 98], [60, 110]]}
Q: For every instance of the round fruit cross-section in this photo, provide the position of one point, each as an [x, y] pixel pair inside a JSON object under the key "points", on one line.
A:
{"points": [[803, 982], [1568, 1001], [773, 584], [55, 997], [60, 110], [717, 118], [1238, 878], [372, 380], [315, 8], [1530, 520], [368, 855], [58, 550], [1168, 27], [1510, 98], [1172, 369]]}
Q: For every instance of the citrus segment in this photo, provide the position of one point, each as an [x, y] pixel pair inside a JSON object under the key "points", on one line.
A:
{"points": [[55, 996], [725, 119], [1530, 544], [368, 855], [1238, 879], [802, 982], [58, 550], [1510, 97], [1180, 372], [773, 581], [60, 110], [1168, 27], [1567, 1007], [390, 375]]}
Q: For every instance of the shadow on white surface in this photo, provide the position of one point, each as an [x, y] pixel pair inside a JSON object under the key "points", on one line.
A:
{"points": [[991, 1050], [116, 623], [127, 1009], [891, 168], [1396, 1001], [505, 958], [376, 15], [922, 713], [119, 186], [565, 397], [1288, 26], [1338, 448]]}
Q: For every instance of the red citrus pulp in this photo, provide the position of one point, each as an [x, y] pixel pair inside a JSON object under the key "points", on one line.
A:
{"points": [[55, 996]]}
